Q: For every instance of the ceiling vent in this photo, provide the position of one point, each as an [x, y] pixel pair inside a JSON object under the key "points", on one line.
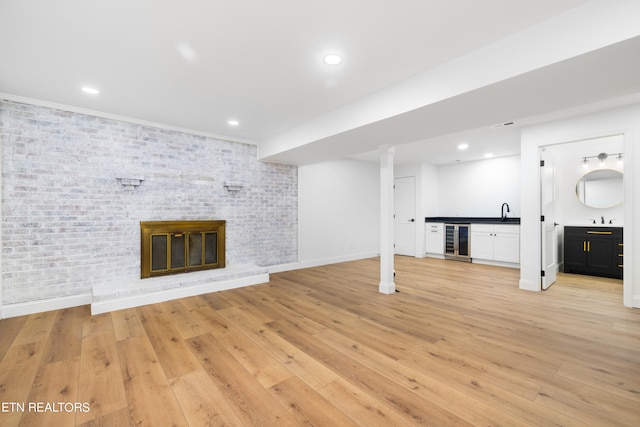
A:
{"points": [[501, 125]]}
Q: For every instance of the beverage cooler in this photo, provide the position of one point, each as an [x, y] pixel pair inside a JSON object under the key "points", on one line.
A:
{"points": [[456, 242]]}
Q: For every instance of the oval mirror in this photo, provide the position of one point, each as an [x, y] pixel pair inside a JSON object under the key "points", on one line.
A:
{"points": [[601, 188]]}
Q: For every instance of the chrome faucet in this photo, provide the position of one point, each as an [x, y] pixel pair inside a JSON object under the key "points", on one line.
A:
{"points": [[502, 212], [602, 220]]}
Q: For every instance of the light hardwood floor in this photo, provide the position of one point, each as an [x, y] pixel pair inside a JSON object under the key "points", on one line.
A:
{"points": [[459, 345]]}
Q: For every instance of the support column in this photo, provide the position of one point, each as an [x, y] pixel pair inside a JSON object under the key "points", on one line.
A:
{"points": [[1, 230], [387, 284]]}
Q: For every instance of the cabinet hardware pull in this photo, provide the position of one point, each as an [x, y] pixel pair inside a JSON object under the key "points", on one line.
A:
{"points": [[620, 254], [584, 246], [599, 232], [620, 244], [588, 246], [620, 265]]}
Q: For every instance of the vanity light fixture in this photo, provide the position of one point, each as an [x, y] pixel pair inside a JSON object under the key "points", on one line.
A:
{"points": [[463, 146], [602, 157], [233, 123], [488, 155]]}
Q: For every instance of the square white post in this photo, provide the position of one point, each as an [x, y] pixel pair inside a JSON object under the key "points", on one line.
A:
{"points": [[387, 284]]}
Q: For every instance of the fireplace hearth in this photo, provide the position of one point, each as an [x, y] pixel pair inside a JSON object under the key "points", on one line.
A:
{"points": [[172, 247]]}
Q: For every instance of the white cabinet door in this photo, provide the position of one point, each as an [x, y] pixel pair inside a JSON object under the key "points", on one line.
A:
{"points": [[481, 244], [434, 238], [506, 247]]}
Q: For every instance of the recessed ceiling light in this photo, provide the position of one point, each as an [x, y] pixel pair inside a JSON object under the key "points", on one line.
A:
{"points": [[463, 146], [187, 52], [233, 122], [332, 59], [90, 90], [488, 155]]}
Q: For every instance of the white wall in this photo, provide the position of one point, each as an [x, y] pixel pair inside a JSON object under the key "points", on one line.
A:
{"points": [[339, 211], [430, 190], [624, 121], [479, 188]]}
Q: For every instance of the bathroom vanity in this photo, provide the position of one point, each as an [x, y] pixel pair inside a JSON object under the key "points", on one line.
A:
{"points": [[594, 251]]}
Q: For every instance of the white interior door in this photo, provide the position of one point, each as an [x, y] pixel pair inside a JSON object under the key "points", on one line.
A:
{"points": [[404, 201], [548, 229]]}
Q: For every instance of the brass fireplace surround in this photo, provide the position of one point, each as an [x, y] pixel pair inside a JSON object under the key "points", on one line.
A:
{"points": [[171, 247]]}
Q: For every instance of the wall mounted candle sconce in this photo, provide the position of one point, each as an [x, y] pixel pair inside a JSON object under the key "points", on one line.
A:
{"points": [[131, 182], [233, 186]]}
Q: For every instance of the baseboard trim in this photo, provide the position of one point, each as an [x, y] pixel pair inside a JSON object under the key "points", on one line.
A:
{"points": [[528, 285], [32, 307], [495, 263], [131, 301], [387, 288]]}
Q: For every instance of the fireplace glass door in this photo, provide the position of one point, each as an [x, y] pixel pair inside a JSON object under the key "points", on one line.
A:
{"points": [[176, 247]]}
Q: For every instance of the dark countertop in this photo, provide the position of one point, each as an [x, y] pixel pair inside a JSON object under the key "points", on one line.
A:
{"points": [[471, 220]]}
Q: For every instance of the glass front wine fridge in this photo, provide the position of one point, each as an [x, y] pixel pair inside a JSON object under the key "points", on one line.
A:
{"points": [[456, 242]]}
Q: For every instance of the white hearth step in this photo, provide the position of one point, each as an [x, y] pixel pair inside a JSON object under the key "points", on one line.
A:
{"points": [[117, 295]]}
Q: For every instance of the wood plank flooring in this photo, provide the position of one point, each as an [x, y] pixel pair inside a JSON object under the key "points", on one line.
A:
{"points": [[458, 345]]}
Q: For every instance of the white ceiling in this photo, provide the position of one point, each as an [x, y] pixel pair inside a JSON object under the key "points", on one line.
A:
{"points": [[195, 64]]}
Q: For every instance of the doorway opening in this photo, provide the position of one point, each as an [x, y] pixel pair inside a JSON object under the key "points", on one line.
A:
{"points": [[564, 167], [404, 203]]}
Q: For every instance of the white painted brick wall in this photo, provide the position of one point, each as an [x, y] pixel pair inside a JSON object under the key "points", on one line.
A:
{"points": [[68, 222]]}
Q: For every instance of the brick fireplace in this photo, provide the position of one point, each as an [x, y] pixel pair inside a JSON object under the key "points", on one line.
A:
{"points": [[75, 188]]}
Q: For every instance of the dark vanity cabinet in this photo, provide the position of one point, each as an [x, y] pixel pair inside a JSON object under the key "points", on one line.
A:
{"points": [[595, 251]]}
